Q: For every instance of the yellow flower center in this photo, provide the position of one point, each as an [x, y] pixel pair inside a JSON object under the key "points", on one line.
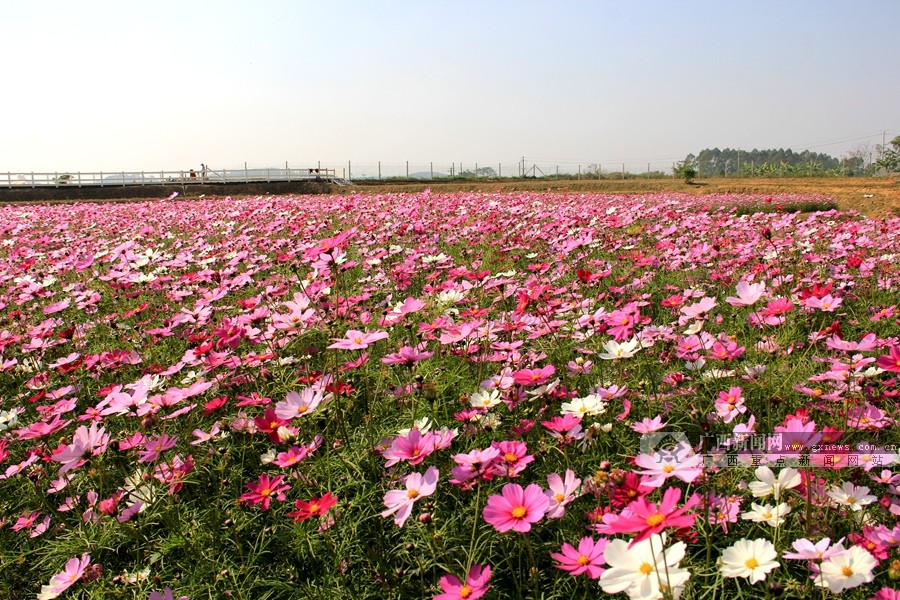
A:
{"points": [[412, 493], [847, 571], [314, 509], [519, 512], [510, 457], [851, 500], [465, 591], [265, 492], [751, 563], [357, 340], [646, 568], [767, 515], [583, 560], [655, 519], [559, 497], [668, 469]]}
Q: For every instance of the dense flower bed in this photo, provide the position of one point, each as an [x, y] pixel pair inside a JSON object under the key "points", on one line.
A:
{"points": [[450, 396]]}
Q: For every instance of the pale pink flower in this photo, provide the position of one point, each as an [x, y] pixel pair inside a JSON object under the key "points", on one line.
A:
{"points": [[400, 502], [63, 580], [561, 492], [358, 340], [684, 465], [747, 294]]}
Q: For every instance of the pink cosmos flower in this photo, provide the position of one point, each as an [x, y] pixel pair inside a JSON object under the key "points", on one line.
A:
{"points": [[475, 587], [512, 460], [407, 356], [154, 447], [560, 493], [699, 309], [684, 465], [264, 490], [414, 446], [516, 508], [358, 340], [298, 404], [891, 360], [565, 428], [295, 454], [63, 580], [826, 303], [314, 507], [167, 593], [747, 294], [821, 550], [86, 442], [472, 465], [647, 425], [535, 377], [587, 559], [400, 502], [647, 518]]}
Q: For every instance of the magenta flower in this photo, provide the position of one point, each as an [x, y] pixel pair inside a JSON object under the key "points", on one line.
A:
{"points": [[264, 490], [153, 448], [647, 518], [475, 586], [534, 376], [407, 356], [515, 508], [358, 340], [474, 464], [891, 360], [512, 460], [85, 443], [165, 594], [586, 559], [63, 580], [413, 447], [400, 502]]}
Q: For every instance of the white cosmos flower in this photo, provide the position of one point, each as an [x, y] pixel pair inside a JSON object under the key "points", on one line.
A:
{"points": [[591, 405], [848, 570], [788, 478], [771, 515], [851, 496], [751, 559], [615, 350], [484, 398], [644, 571]]}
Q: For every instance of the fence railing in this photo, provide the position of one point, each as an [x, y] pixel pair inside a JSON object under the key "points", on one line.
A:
{"points": [[130, 178]]}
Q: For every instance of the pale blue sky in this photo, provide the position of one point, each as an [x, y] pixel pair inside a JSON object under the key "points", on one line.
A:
{"points": [[99, 85]]}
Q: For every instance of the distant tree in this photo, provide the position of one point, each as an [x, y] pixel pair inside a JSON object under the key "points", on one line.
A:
{"points": [[480, 172], [686, 171]]}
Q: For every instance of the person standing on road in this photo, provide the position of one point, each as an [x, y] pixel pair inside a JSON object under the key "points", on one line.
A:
{"points": [[204, 171]]}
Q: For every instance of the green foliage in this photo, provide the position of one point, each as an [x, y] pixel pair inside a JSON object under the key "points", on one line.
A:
{"points": [[686, 171]]}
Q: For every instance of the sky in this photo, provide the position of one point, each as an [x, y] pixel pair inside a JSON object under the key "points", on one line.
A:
{"points": [[168, 85]]}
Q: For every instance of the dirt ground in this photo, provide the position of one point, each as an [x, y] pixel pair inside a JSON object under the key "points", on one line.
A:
{"points": [[874, 197]]}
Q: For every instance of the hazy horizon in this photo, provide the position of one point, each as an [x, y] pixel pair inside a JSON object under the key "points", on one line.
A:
{"points": [[107, 86]]}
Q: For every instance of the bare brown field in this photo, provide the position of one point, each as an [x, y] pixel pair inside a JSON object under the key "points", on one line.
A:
{"points": [[871, 196], [874, 197]]}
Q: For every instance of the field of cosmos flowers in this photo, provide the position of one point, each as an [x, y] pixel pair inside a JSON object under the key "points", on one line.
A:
{"points": [[455, 396]]}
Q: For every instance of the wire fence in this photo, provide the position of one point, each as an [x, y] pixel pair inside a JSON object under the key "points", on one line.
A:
{"points": [[340, 172]]}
